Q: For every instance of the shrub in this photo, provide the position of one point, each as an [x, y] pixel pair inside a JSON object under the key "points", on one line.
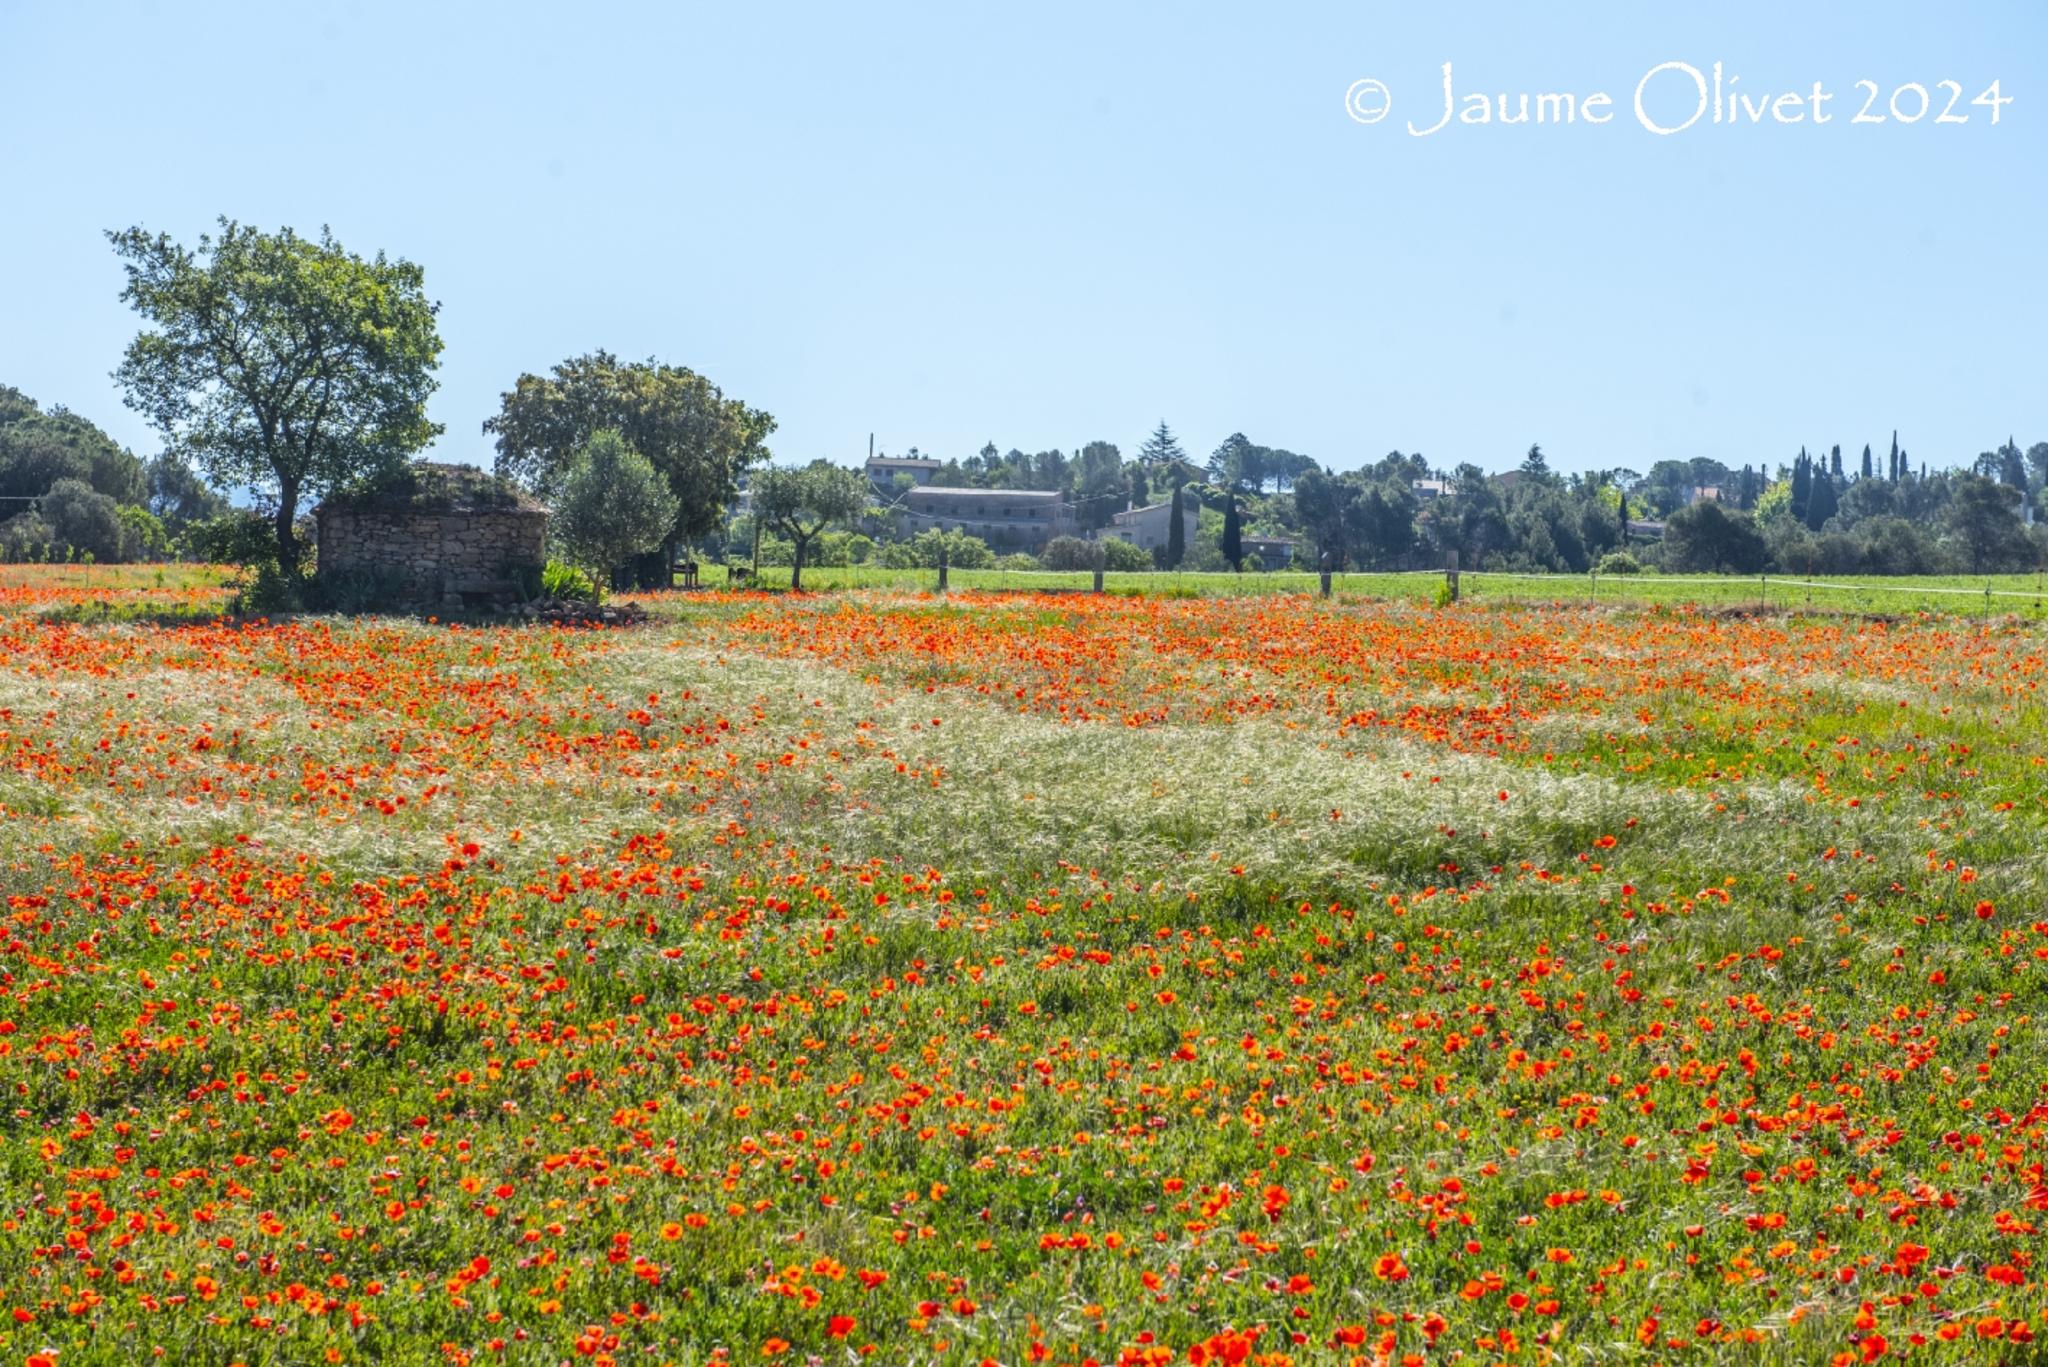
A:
{"points": [[84, 519], [963, 552], [241, 538], [840, 548], [1620, 562], [1071, 553], [267, 592], [921, 552], [1204, 556], [558, 579], [25, 537], [1017, 561], [1121, 557], [354, 591], [774, 552], [143, 536]]}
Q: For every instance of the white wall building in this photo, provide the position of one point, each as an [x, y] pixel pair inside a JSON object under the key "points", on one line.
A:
{"points": [[1150, 526]]}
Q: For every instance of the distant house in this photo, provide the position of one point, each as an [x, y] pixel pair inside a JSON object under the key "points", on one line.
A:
{"points": [[1150, 527], [882, 470], [446, 535], [1007, 519], [1507, 479], [1429, 489], [1274, 552], [1703, 493], [1645, 529]]}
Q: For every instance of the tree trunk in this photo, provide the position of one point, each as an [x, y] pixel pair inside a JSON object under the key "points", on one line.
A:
{"points": [[287, 536], [796, 570]]}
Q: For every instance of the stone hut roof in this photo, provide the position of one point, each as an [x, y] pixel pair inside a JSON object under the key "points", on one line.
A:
{"points": [[431, 487]]}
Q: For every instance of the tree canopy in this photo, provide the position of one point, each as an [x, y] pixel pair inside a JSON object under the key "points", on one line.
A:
{"points": [[699, 440], [39, 447], [279, 362], [613, 505], [801, 502]]}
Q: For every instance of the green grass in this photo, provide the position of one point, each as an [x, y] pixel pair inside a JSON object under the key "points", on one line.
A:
{"points": [[1947, 594]]}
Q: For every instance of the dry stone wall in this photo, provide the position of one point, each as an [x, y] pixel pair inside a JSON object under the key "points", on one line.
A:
{"points": [[435, 556]]}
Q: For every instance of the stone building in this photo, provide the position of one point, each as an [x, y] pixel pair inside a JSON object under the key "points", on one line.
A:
{"points": [[1151, 527], [449, 536], [1007, 519], [882, 471]]}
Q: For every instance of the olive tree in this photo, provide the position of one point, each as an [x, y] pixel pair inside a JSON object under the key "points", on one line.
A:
{"points": [[613, 506], [800, 503]]}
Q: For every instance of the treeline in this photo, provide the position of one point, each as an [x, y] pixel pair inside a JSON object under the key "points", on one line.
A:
{"points": [[1874, 513], [72, 494], [331, 395]]}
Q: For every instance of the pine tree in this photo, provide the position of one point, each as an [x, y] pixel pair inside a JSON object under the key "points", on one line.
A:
{"points": [[1176, 534], [1162, 447]]}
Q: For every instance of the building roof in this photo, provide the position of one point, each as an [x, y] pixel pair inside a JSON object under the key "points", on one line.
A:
{"points": [[912, 462], [1127, 514], [1267, 540], [434, 487], [950, 491]]}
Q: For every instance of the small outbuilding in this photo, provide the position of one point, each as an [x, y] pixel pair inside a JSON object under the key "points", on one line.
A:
{"points": [[450, 536]]}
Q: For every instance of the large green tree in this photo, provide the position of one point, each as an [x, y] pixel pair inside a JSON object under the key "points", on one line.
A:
{"points": [[1984, 519], [697, 438], [1705, 538], [802, 502], [279, 362]]}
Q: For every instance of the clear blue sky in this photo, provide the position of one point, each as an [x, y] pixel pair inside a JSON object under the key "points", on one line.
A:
{"points": [[1045, 224]]}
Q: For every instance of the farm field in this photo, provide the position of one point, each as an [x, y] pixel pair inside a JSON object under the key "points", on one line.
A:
{"points": [[1064, 978], [2025, 594]]}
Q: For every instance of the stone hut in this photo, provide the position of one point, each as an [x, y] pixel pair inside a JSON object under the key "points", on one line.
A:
{"points": [[449, 536]]}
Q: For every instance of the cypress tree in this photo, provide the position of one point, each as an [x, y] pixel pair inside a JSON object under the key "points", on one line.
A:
{"points": [[1802, 484], [1835, 462], [1176, 534], [1895, 466], [1821, 503], [1233, 535], [1868, 469]]}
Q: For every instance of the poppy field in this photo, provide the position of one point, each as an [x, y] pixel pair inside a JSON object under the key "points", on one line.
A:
{"points": [[876, 977]]}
